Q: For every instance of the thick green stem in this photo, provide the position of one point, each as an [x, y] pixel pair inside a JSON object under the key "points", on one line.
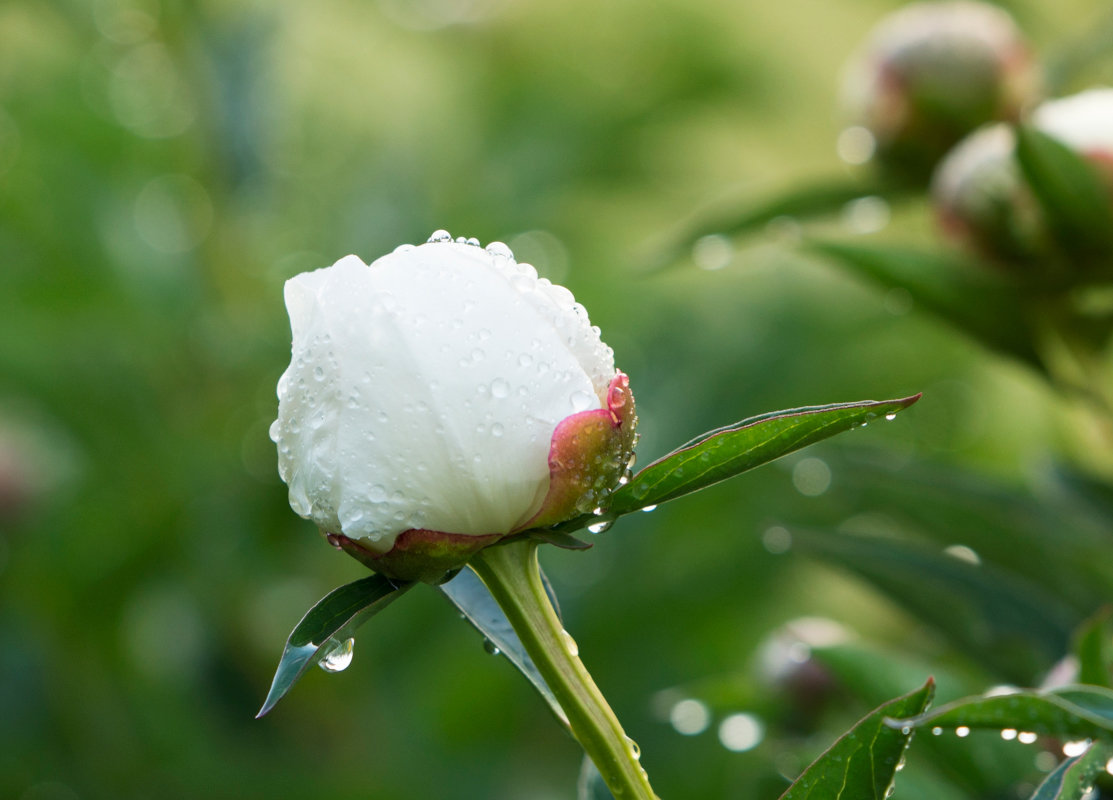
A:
{"points": [[513, 577]]}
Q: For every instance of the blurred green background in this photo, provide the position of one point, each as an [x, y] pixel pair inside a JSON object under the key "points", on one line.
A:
{"points": [[164, 167]]}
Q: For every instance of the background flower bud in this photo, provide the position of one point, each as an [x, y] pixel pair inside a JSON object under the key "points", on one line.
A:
{"points": [[983, 200], [440, 399], [932, 72]]}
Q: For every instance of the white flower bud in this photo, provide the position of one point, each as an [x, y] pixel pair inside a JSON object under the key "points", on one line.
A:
{"points": [[931, 72], [1084, 121], [422, 398]]}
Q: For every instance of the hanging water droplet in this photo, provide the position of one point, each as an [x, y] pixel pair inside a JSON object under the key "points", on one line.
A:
{"points": [[440, 236], [1008, 734], [1026, 737], [906, 730], [334, 540], [962, 731], [337, 655], [647, 509], [890, 417], [491, 647], [569, 643], [601, 527]]}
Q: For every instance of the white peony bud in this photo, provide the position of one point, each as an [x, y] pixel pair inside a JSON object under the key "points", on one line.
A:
{"points": [[441, 398], [931, 72]]}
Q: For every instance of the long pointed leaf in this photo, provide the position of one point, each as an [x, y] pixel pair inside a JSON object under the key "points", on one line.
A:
{"points": [[861, 765], [333, 619], [963, 293], [1072, 712], [726, 452], [1074, 778], [467, 592]]}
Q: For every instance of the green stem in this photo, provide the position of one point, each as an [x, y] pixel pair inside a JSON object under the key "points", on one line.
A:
{"points": [[512, 575]]}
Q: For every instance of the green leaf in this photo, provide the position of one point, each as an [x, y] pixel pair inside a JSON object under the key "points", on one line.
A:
{"points": [[468, 593], [726, 452], [1072, 195], [1007, 622], [1071, 712], [1074, 778], [961, 292], [862, 764], [331, 621], [1093, 647]]}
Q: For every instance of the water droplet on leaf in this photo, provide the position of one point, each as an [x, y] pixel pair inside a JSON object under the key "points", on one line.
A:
{"points": [[337, 655]]}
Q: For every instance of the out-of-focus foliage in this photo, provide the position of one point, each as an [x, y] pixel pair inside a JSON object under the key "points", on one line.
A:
{"points": [[165, 166]]}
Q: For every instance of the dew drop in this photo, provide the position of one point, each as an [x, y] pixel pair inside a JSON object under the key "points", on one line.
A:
{"points": [[500, 250], [334, 540], [936, 731], [497, 429], [581, 401], [403, 248], [647, 509], [1026, 737], [890, 417], [338, 655], [1008, 734], [906, 730], [632, 746], [569, 643], [601, 527], [440, 236], [318, 373], [377, 493], [962, 731], [500, 388], [491, 647]]}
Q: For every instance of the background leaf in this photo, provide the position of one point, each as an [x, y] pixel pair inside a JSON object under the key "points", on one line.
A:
{"points": [[1073, 197], [956, 289], [864, 761], [1093, 647], [333, 619], [591, 785], [726, 452], [1005, 622]]}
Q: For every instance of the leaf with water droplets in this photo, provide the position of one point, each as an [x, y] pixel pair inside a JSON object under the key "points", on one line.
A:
{"points": [[725, 452], [864, 761], [1074, 778], [468, 593], [328, 624], [1069, 712]]}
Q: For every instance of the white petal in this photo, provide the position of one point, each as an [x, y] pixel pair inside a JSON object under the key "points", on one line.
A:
{"points": [[423, 391], [1084, 120]]}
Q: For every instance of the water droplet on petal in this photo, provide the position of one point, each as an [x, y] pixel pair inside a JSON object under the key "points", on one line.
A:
{"points": [[581, 401], [500, 250], [497, 429], [318, 373], [337, 655], [377, 493], [440, 236], [500, 388]]}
